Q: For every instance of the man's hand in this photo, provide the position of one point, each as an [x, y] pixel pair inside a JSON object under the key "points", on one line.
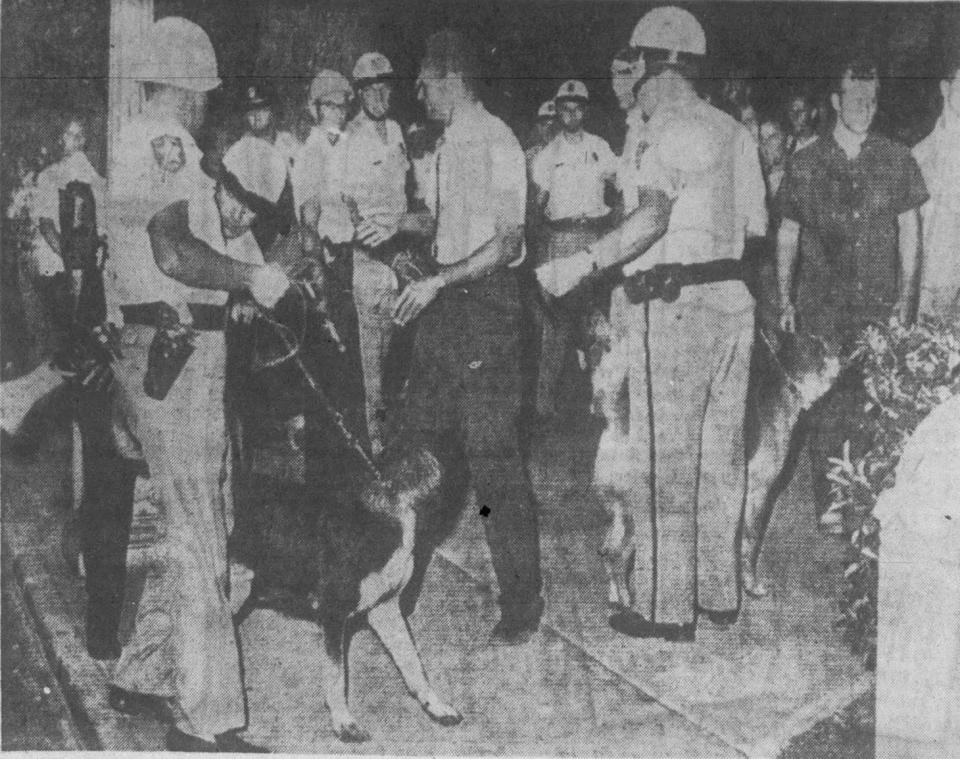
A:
{"points": [[267, 285], [788, 317], [243, 312], [377, 228], [416, 297], [560, 277], [902, 311]]}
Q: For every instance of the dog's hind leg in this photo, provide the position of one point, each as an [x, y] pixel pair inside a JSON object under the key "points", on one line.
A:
{"points": [[334, 666], [391, 628], [762, 471]]}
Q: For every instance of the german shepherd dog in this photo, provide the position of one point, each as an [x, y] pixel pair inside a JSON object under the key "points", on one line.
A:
{"points": [[786, 380], [343, 555]]}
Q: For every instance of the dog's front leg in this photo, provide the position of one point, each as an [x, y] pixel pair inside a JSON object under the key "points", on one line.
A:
{"points": [[333, 659], [762, 470], [391, 628]]}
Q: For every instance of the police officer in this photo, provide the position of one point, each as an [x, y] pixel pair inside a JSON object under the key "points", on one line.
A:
{"points": [[689, 336], [376, 173], [261, 160], [319, 170], [569, 175], [168, 271]]}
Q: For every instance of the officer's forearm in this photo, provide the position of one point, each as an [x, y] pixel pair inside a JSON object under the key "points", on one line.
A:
{"points": [[635, 233], [49, 232], [501, 250], [908, 224], [788, 247], [188, 259]]}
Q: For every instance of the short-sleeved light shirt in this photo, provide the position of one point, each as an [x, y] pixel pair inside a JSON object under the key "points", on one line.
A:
{"points": [[156, 164], [574, 172], [260, 165], [479, 180], [716, 179], [376, 170], [319, 171]]}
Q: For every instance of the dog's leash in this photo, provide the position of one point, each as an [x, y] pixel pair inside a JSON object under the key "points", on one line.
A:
{"points": [[293, 345]]}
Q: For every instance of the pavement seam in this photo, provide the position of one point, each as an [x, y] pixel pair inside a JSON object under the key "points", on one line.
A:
{"points": [[666, 703], [24, 609], [107, 733], [79, 725]]}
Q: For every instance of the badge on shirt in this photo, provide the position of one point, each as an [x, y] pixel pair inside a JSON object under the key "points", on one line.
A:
{"points": [[168, 153]]}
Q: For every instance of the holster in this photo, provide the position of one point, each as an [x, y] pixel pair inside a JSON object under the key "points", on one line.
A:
{"points": [[172, 345]]}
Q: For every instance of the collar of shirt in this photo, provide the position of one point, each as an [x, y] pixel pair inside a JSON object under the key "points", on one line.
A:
{"points": [[464, 121], [849, 142]]}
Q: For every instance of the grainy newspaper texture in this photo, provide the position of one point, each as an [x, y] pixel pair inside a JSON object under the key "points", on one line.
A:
{"points": [[434, 377]]}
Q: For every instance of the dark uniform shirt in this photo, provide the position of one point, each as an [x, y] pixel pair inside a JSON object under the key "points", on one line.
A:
{"points": [[847, 211]]}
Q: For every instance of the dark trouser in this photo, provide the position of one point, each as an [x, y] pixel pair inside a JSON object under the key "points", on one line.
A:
{"points": [[105, 516], [563, 320], [836, 311], [462, 402]]}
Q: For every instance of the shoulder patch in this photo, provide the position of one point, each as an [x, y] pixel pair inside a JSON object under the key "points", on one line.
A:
{"points": [[168, 153]]}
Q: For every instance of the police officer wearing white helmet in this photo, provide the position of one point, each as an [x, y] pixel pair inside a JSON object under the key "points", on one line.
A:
{"points": [[376, 173], [569, 176], [320, 165], [168, 278], [688, 321]]}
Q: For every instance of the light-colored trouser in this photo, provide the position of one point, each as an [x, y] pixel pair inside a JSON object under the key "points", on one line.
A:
{"points": [[685, 484], [374, 294], [182, 644]]}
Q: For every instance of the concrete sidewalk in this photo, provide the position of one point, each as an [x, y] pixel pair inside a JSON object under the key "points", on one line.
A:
{"points": [[576, 689]]}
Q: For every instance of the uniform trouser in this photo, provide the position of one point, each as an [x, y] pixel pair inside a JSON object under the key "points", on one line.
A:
{"points": [[564, 320], [374, 293], [183, 643], [463, 399], [688, 373], [105, 516]]}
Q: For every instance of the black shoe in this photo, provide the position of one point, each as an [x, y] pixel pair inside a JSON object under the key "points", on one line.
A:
{"points": [[231, 743], [629, 622], [512, 633], [177, 740], [720, 618], [227, 743], [517, 624], [140, 704]]}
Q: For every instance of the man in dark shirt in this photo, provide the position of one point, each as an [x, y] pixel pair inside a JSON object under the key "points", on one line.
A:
{"points": [[847, 248]]}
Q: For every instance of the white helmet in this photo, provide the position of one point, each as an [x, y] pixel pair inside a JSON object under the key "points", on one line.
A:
{"points": [[547, 110], [179, 53], [329, 85], [672, 29], [572, 89], [371, 67]]}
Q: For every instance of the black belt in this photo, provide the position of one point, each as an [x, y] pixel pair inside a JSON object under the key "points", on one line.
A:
{"points": [[573, 224], [665, 281], [206, 317]]}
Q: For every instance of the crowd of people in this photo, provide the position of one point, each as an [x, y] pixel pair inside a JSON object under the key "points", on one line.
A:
{"points": [[440, 265]]}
